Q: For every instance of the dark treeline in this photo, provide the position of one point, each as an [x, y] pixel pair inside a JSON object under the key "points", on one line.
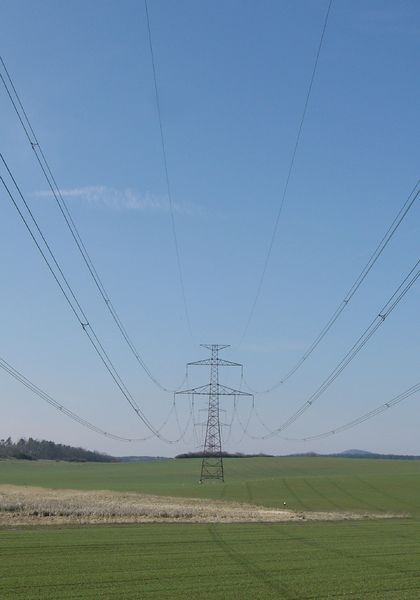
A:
{"points": [[30, 449], [224, 455]]}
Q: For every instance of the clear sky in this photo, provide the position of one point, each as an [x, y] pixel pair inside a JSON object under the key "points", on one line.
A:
{"points": [[232, 79]]}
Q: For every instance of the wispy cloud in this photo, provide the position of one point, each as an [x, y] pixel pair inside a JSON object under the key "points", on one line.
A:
{"points": [[101, 196]]}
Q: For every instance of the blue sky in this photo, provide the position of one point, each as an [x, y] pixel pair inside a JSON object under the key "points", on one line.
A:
{"points": [[232, 79]]}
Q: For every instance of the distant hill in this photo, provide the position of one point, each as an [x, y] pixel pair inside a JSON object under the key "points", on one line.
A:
{"points": [[357, 453], [31, 449], [363, 454], [353, 453], [366, 454]]}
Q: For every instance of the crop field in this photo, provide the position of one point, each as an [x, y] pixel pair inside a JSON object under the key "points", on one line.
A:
{"points": [[304, 483], [363, 559]]}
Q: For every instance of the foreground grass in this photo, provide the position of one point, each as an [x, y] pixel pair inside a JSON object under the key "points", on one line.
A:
{"points": [[363, 560], [329, 484]]}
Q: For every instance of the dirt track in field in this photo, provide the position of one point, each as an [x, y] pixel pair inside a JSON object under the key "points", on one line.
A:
{"points": [[24, 505]]}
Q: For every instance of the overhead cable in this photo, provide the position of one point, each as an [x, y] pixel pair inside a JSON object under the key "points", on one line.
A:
{"points": [[414, 194], [65, 411], [70, 296], [182, 431], [365, 417], [247, 425], [288, 176], [64, 209], [379, 320], [167, 179]]}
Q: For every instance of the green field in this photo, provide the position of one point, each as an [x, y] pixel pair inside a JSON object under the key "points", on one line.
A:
{"points": [[304, 483], [348, 559]]}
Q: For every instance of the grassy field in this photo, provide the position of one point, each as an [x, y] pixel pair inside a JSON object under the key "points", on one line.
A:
{"points": [[356, 559], [304, 483], [364, 560]]}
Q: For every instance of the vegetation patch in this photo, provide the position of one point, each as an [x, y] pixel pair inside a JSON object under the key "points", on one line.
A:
{"points": [[304, 483], [31, 449], [33, 506], [364, 559]]}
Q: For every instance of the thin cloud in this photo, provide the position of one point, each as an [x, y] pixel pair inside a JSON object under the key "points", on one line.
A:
{"points": [[100, 196]]}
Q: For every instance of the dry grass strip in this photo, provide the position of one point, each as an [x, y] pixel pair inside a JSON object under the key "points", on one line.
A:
{"points": [[24, 505]]}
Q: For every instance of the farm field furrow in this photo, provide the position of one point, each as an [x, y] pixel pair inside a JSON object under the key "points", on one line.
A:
{"points": [[304, 483], [363, 560], [310, 561]]}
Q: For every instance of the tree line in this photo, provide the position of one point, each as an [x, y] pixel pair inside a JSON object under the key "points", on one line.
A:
{"points": [[201, 454], [32, 449]]}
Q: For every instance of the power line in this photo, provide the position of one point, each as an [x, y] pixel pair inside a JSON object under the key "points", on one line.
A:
{"points": [[247, 423], [365, 417], [235, 415], [65, 411], [414, 194], [74, 303], [245, 428], [289, 173], [393, 301], [167, 179], [62, 205], [183, 431]]}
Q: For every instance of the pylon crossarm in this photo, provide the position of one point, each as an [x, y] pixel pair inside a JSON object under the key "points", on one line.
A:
{"points": [[220, 362], [224, 390], [220, 390], [215, 347], [203, 390]]}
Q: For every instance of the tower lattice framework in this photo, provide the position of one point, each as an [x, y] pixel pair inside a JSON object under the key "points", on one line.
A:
{"points": [[212, 462]]}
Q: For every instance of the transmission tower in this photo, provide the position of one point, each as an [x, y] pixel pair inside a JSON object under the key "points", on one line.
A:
{"points": [[212, 463]]}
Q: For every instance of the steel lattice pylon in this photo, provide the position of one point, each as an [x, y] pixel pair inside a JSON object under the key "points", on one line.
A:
{"points": [[212, 463]]}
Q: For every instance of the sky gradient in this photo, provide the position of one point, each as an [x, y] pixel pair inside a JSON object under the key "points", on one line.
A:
{"points": [[232, 80]]}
